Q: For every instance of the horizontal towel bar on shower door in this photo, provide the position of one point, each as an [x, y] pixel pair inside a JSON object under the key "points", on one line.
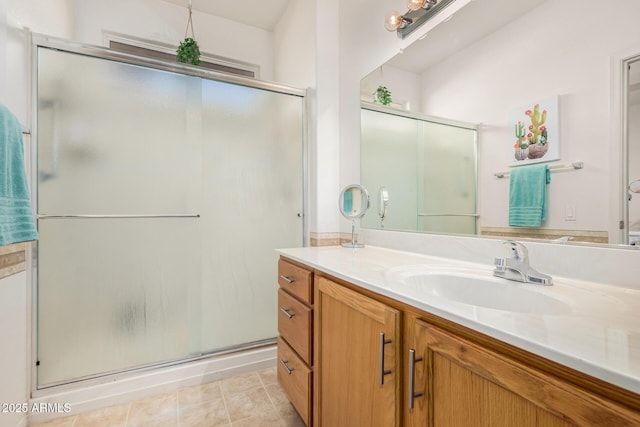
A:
{"points": [[45, 216], [447, 214]]}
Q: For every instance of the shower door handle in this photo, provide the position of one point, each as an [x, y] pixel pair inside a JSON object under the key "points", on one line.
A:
{"points": [[119, 216]]}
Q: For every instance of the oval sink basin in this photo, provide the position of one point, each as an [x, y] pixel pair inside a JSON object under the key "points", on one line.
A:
{"points": [[478, 290]]}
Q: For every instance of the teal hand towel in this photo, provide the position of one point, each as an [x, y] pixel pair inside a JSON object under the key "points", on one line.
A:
{"points": [[16, 219], [528, 195]]}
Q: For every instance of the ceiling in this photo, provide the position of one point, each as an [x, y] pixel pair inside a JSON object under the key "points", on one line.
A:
{"points": [[258, 13], [473, 22]]}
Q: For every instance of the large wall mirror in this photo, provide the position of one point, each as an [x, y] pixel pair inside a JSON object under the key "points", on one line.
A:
{"points": [[457, 89]]}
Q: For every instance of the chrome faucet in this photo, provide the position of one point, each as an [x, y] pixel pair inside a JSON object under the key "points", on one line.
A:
{"points": [[517, 266]]}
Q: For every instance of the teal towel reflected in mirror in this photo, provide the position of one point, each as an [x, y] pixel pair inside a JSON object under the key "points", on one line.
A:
{"points": [[348, 201], [16, 218], [528, 195]]}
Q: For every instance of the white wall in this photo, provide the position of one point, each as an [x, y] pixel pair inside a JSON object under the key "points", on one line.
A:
{"points": [[3, 49], [166, 23], [405, 84], [364, 45], [51, 17], [14, 356], [295, 45], [515, 66], [297, 53]]}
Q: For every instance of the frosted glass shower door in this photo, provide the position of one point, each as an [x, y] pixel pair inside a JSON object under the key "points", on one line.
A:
{"points": [[118, 198], [388, 153], [161, 198], [427, 167], [447, 179], [252, 205]]}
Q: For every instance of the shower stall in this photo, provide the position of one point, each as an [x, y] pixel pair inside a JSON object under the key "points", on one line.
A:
{"points": [[162, 191], [428, 166]]}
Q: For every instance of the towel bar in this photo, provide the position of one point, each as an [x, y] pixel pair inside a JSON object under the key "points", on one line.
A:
{"points": [[45, 216], [568, 166], [447, 214]]}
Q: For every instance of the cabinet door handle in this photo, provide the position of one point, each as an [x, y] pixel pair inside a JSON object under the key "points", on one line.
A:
{"points": [[287, 313], [288, 369], [383, 372], [412, 373], [288, 279]]}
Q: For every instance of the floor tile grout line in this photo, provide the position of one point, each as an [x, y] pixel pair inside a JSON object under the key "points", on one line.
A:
{"points": [[126, 419], [224, 402], [272, 402], [261, 386]]}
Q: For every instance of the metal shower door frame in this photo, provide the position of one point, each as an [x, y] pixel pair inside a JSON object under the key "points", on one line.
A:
{"points": [[36, 41]]}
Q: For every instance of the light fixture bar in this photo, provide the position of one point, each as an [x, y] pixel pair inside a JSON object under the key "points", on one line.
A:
{"points": [[421, 16]]}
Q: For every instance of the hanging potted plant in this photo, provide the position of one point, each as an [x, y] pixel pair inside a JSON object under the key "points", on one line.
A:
{"points": [[189, 51], [382, 95]]}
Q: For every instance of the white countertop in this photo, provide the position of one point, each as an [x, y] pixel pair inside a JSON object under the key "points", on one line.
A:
{"points": [[598, 333]]}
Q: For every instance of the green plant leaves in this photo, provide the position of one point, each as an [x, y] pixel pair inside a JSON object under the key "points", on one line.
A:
{"points": [[189, 52], [382, 95]]}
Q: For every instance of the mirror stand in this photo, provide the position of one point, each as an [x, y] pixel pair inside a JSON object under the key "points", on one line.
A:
{"points": [[353, 243], [353, 204]]}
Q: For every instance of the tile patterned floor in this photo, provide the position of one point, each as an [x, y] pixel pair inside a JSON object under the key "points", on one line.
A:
{"points": [[252, 399]]}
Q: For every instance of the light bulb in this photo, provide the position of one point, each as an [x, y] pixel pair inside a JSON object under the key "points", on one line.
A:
{"points": [[415, 4], [393, 20], [421, 4]]}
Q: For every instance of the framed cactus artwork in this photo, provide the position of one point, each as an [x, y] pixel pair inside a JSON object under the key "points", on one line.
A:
{"points": [[535, 135]]}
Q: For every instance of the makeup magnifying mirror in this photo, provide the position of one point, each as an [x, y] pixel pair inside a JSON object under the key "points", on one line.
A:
{"points": [[353, 204]]}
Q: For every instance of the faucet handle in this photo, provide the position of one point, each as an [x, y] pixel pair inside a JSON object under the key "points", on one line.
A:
{"points": [[518, 251], [500, 264]]}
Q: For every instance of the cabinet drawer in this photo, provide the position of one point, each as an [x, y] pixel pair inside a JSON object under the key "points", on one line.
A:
{"points": [[295, 324], [297, 280], [295, 379]]}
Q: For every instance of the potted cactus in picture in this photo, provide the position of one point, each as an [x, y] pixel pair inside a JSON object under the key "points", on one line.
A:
{"points": [[533, 144], [537, 135], [522, 143]]}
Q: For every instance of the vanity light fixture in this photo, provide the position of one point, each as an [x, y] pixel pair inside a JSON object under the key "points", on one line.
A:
{"points": [[420, 11], [421, 4]]}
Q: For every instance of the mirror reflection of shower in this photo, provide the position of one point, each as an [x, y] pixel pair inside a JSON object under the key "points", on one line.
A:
{"points": [[633, 141]]}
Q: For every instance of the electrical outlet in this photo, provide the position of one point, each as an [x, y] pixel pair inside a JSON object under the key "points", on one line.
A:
{"points": [[569, 213]]}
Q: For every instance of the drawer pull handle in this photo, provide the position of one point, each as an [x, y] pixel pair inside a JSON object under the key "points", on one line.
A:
{"points": [[288, 279], [383, 372], [412, 372], [288, 369], [287, 313]]}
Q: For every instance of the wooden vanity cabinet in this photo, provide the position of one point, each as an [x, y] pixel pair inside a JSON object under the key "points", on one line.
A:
{"points": [[295, 341], [459, 383], [358, 363], [373, 357]]}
